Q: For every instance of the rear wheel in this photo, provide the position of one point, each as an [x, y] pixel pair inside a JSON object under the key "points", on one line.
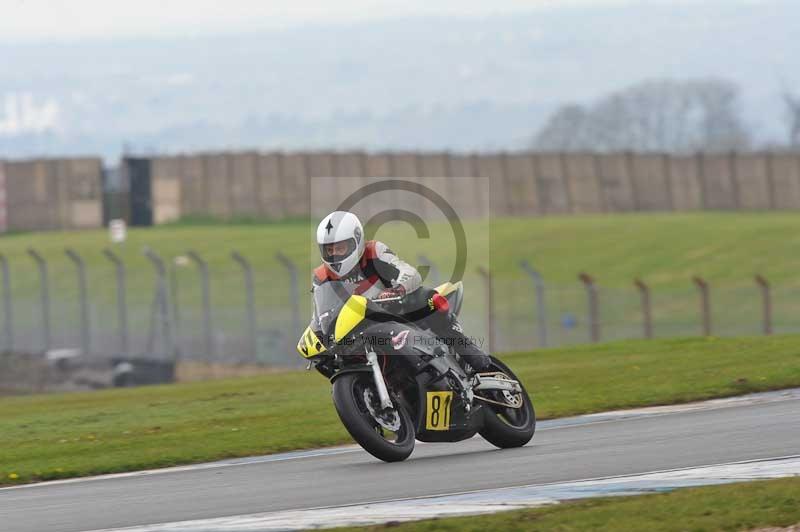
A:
{"points": [[387, 434], [505, 426]]}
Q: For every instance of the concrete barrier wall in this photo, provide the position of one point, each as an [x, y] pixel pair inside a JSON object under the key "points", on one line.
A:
{"points": [[582, 180], [785, 177], [67, 193], [217, 182], [521, 184], [244, 184], [492, 167], [553, 183], [192, 183], [616, 183], [272, 192], [29, 204], [464, 185], [47, 194], [717, 181], [295, 179], [166, 189], [276, 185], [3, 211], [650, 179], [85, 192], [753, 182], [687, 190]]}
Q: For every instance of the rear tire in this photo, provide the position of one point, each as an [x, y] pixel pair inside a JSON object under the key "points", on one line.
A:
{"points": [[508, 427], [362, 426]]}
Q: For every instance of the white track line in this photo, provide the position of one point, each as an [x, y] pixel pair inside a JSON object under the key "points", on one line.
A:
{"points": [[651, 411], [553, 424], [484, 501]]}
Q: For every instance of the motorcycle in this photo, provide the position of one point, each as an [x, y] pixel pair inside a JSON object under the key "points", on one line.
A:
{"points": [[395, 381]]}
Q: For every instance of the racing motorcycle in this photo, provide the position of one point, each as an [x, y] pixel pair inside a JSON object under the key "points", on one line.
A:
{"points": [[395, 381]]}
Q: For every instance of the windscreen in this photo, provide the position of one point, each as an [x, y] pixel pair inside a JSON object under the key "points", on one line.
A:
{"points": [[329, 298]]}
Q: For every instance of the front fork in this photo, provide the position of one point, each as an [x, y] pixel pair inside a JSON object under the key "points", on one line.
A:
{"points": [[380, 383]]}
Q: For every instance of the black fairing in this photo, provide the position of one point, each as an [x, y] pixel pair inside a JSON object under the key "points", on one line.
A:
{"points": [[427, 367], [463, 424], [419, 365]]}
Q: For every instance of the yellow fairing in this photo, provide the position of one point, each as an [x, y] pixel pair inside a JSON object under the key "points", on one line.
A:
{"points": [[309, 345], [351, 315], [447, 287]]}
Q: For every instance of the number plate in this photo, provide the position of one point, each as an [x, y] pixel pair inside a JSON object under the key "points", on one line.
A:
{"points": [[438, 411]]}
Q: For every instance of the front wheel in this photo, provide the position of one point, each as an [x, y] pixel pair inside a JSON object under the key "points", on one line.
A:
{"points": [[385, 434], [504, 426]]}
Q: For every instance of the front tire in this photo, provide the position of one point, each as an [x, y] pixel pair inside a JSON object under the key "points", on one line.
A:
{"points": [[507, 427], [349, 393]]}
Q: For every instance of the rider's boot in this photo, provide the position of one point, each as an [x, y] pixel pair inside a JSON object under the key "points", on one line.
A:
{"points": [[463, 345]]}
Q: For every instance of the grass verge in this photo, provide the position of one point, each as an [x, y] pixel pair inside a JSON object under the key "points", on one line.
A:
{"points": [[664, 249], [56, 436], [742, 506]]}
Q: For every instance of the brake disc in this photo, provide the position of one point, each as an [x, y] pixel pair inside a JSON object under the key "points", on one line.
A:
{"points": [[387, 418], [514, 399]]}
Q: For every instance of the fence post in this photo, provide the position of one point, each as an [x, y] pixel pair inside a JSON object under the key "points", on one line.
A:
{"points": [[647, 316], [766, 300], [705, 303], [430, 268], [294, 297], [251, 305], [541, 309], [205, 288], [122, 308], [8, 321], [162, 300], [41, 264], [175, 297], [487, 278], [591, 294], [80, 266]]}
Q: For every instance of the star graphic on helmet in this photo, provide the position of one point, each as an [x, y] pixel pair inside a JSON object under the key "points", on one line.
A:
{"points": [[329, 226]]}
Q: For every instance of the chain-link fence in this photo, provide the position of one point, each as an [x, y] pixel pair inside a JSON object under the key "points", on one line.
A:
{"points": [[149, 321], [168, 310], [531, 313]]}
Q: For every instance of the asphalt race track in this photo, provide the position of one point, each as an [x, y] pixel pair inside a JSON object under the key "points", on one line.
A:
{"points": [[590, 448]]}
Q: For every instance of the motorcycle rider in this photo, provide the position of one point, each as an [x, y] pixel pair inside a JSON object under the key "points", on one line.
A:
{"points": [[376, 272]]}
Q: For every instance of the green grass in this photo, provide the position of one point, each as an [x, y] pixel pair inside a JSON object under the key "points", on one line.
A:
{"points": [[56, 436], [665, 250], [741, 506]]}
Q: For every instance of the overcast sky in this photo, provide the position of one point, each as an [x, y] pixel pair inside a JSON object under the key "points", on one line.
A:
{"points": [[37, 20]]}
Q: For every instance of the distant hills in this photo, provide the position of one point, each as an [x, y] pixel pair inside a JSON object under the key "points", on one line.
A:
{"points": [[403, 83]]}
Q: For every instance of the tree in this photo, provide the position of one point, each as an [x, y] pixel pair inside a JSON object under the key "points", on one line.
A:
{"points": [[659, 115], [566, 129], [792, 103]]}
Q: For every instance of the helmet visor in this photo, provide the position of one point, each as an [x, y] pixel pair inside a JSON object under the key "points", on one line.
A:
{"points": [[337, 251]]}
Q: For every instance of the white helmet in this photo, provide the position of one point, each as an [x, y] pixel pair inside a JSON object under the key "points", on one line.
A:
{"points": [[344, 227]]}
